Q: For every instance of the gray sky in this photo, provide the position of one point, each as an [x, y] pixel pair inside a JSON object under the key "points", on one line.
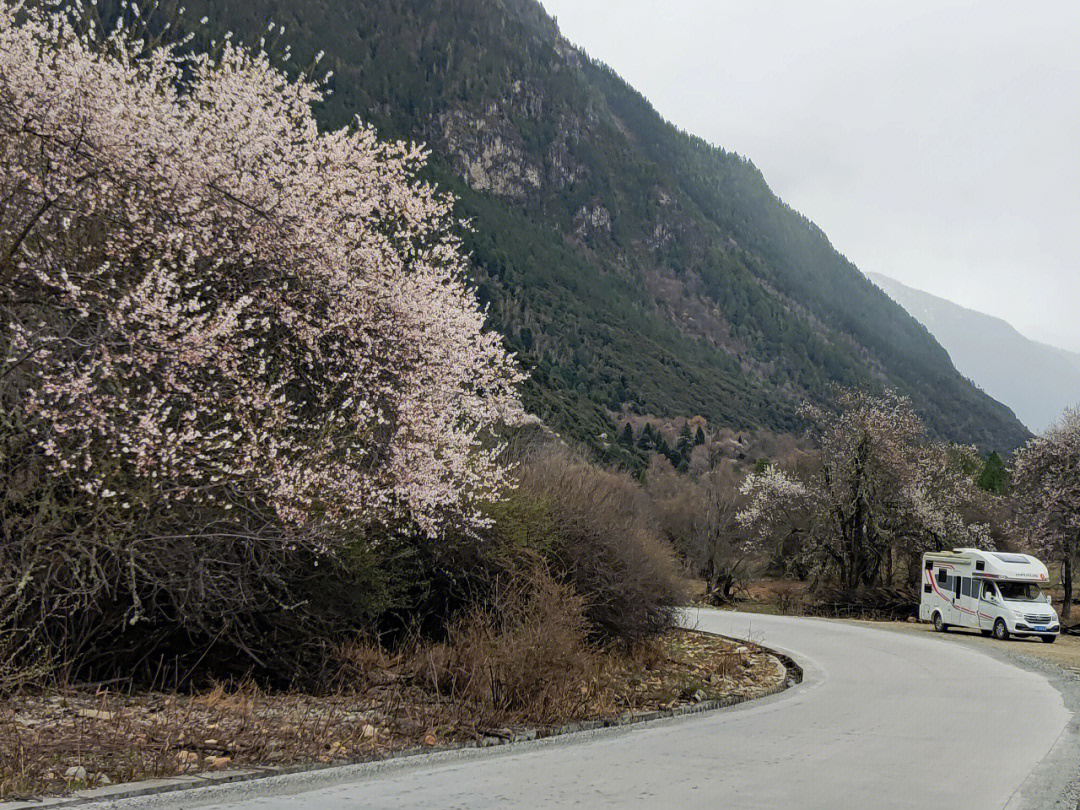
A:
{"points": [[935, 142]]}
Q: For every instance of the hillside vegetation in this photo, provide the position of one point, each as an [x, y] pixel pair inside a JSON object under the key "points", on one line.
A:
{"points": [[631, 265]]}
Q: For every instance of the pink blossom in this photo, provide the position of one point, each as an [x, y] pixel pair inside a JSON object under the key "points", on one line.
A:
{"points": [[206, 294]]}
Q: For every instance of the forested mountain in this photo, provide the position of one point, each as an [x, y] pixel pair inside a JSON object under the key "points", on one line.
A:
{"points": [[1035, 380], [631, 265]]}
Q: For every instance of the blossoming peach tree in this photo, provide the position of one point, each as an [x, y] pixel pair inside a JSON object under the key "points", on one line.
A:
{"points": [[879, 496], [208, 302]]}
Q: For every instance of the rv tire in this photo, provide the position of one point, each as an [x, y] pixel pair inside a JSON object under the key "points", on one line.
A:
{"points": [[939, 623], [1050, 639], [1001, 632]]}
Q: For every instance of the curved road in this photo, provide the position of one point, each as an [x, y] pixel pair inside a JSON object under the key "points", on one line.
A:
{"points": [[882, 719]]}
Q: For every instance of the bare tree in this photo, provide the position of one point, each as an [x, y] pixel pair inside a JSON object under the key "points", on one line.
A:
{"points": [[718, 540], [1047, 492], [698, 517]]}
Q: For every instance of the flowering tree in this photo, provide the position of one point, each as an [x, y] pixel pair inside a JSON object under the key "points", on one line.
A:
{"points": [[1047, 493], [881, 491], [208, 302]]}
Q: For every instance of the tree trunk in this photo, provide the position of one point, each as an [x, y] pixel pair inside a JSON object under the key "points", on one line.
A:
{"points": [[1066, 582]]}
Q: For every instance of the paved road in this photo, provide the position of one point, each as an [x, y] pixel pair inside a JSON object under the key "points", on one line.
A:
{"points": [[882, 720]]}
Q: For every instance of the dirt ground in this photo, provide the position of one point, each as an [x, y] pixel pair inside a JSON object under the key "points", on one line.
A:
{"points": [[1065, 652]]}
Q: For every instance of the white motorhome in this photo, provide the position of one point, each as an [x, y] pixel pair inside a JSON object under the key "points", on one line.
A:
{"points": [[996, 592]]}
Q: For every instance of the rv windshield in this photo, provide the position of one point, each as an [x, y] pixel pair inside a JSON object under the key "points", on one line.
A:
{"points": [[1020, 592]]}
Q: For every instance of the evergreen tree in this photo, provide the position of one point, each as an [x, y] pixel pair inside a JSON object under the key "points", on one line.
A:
{"points": [[646, 441], [686, 441], [627, 437], [664, 449], [994, 477], [699, 437]]}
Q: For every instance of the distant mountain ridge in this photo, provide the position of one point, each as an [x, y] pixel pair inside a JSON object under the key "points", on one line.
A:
{"points": [[633, 267], [1036, 380]]}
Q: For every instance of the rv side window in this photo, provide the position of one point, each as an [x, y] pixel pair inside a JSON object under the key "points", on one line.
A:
{"points": [[965, 586], [980, 565], [926, 588], [942, 576]]}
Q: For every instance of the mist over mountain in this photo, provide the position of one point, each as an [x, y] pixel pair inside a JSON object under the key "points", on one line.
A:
{"points": [[1036, 380], [633, 267]]}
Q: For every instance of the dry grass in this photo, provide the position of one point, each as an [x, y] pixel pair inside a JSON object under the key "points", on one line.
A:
{"points": [[787, 597], [386, 705], [784, 597], [527, 662], [125, 737]]}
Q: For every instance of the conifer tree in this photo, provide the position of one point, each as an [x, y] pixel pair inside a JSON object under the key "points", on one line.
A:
{"points": [[994, 477], [685, 444], [645, 442]]}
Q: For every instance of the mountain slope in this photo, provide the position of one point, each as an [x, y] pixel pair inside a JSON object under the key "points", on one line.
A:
{"points": [[631, 265], [1035, 380]]}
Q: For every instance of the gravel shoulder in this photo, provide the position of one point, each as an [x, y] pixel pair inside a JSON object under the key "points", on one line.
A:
{"points": [[1064, 653]]}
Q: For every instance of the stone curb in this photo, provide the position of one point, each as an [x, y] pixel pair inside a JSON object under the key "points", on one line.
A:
{"points": [[792, 675]]}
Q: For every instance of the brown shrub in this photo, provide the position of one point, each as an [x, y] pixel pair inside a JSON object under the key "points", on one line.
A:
{"points": [[526, 660], [161, 608], [605, 545]]}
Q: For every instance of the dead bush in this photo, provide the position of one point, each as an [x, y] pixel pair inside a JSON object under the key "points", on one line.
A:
{"points": [[171, 600], [877, 602], [605, 545], [789, 603], [87, 594], [525, 660]]}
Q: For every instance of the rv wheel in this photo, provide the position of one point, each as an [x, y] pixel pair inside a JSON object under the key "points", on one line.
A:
{"points": [[939, 624], [1050, 639], [1001, 632]]}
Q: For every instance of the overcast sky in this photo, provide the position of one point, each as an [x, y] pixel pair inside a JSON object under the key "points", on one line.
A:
{"points": [[934, 142]]}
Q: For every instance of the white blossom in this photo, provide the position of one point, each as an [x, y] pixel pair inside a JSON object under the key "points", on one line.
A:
{"points": [[209, 295]]}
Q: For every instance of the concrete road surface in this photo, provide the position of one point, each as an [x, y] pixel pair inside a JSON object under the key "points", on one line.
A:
{"points": [[882, 720]]}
